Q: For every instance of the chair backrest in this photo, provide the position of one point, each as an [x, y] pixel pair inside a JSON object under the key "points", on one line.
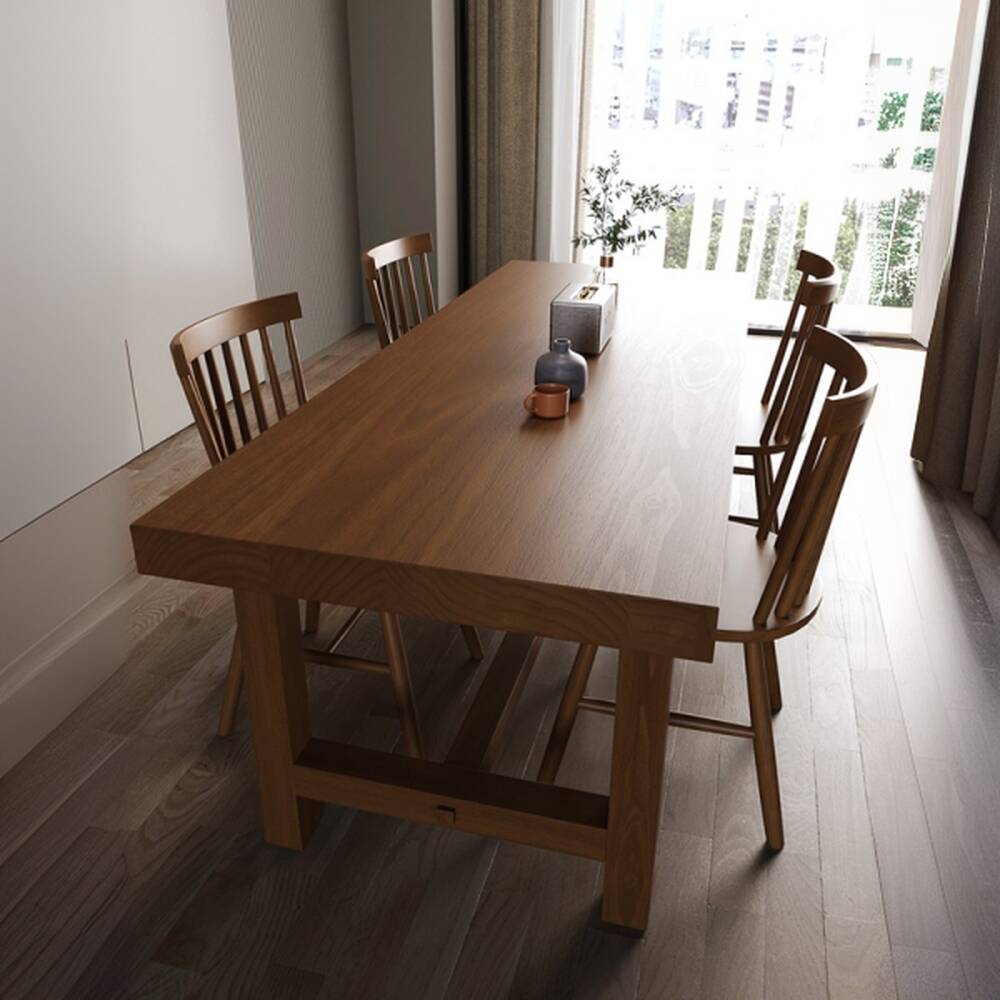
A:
{"points": [[811, 266], [800, 539], [388, 271], [815, 297], [193, 351]]}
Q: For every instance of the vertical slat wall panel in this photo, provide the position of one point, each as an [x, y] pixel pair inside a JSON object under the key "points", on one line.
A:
{"points": [[291, 75]]}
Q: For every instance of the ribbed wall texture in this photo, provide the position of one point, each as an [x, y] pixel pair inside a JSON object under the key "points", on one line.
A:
{"points": [[293, 95]]}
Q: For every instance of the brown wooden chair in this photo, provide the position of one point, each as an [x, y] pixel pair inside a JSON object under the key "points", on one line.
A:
{"points": [[769, 586], [765, 427], [388, 272], [811, 267], [199, 369]]}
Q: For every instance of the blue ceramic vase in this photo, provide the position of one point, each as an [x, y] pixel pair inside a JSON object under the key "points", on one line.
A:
{"points": [[563, 365]]}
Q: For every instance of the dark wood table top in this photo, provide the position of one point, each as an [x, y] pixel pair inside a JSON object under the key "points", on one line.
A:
{"points": [[422, 466]]}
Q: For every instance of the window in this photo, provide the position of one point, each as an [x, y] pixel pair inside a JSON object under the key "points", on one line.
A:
{"points": [[783, 125]]}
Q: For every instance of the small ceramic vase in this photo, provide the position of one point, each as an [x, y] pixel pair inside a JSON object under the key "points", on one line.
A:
{"points": [[563, 365]]}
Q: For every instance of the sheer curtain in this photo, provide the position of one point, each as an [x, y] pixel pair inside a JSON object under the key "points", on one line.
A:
{"points": [[949, 169], [957, 437], [560, 99]]}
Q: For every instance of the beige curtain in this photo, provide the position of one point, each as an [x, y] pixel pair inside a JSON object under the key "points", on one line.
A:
{"points": [[957, 437], [501, 131]]}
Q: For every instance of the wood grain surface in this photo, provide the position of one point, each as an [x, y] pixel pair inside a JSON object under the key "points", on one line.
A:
{"points": [[417, 483], [382, 908]]}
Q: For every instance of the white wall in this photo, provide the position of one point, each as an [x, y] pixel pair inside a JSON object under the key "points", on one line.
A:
{"points": [[188, 252], [61, 230], [122, 217], [402, 79]]}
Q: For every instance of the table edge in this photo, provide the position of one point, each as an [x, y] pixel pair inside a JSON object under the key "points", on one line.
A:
{"points": [[619, 621]]}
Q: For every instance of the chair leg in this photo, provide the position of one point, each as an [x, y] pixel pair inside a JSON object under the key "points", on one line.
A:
{"points": [[763, 745], [471, 636], [760, 484], [402, 689], [569, 707], [312, 617], [773, 680], [769, 485], [232, 689]]}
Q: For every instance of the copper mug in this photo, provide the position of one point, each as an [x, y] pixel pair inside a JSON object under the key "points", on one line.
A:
{"points": [[548, 400]]}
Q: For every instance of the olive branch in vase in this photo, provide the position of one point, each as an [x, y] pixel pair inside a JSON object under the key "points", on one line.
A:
{"points": [[615, 205]]}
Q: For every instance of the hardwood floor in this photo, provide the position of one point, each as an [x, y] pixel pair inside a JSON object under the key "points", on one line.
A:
{"points": [[131, 863]]}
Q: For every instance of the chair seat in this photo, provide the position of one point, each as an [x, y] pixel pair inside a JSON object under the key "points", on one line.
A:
{"points": [[750, 427], [748, 564]]}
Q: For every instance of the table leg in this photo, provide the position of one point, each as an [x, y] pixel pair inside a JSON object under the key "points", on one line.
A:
{"points": [[642, 710], [271, 647]]}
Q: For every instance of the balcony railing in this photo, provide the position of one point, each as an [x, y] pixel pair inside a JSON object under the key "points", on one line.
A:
{"points": [[778, 139]]}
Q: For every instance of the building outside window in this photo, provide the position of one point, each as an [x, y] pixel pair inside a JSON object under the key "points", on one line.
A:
{"points": [[785, 125]]}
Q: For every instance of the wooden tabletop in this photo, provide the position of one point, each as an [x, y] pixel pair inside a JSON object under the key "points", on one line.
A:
{"points": [[418, 482]]}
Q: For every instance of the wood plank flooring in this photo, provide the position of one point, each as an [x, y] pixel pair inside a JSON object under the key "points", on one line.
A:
{"points": [[131, 863]]}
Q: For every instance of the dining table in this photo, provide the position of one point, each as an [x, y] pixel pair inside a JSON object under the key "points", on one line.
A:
{"points": [[418, 484]]}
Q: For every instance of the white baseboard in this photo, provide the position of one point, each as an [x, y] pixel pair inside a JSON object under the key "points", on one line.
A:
{"points": [[43, 686], [66, 581]]}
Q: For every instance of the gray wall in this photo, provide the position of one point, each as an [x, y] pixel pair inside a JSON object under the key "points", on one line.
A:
{"points": [[293, 96], [445, 147], [402, 72]]}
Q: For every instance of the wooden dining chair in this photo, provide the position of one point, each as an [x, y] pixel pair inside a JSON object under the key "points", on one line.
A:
{"points": [[811, 267], [765, 428], [201, 352], [392, 286], [769, 584]]}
